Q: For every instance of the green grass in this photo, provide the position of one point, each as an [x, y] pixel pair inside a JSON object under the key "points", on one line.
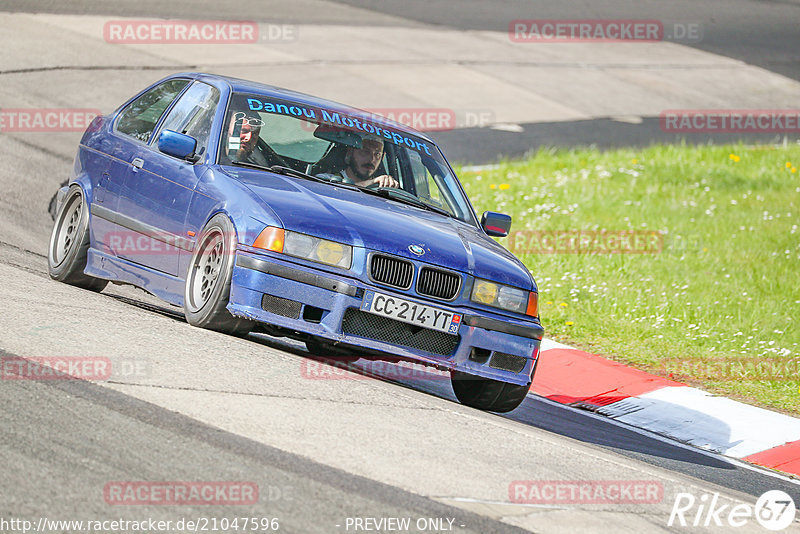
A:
{"points": [[721, 294]]}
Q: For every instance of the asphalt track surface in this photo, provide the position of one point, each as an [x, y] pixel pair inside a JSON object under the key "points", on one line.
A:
{"points": [[214, 407], [758, 32]]}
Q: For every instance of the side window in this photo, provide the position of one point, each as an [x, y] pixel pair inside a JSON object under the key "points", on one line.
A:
{"points": [[426, 186], [194, 113], [142, 115]]}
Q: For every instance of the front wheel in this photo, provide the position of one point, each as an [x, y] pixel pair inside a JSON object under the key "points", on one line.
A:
{"points": [[208, 281], [487, 394], [69, 243]]}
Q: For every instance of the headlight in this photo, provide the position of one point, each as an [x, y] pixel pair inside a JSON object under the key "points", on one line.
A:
{"points": [[333, 253], [305, 246], [299, 245], [485, 292], [505, 297], [511, 298]]}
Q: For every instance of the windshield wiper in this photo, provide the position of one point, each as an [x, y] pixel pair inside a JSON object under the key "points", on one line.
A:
{"points": [[250, 165], [280, 169], [288, 171], [400, 195]]}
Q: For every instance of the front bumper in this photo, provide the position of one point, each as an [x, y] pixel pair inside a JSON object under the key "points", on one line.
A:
{"points": [[301, 299]]}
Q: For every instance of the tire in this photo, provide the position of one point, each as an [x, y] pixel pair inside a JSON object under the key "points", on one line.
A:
{"points": [[53, 204], [208, 280], [487, 394], [69, 243]]}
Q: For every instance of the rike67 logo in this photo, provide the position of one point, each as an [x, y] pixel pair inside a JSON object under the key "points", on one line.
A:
{"points": [[774, 511]]}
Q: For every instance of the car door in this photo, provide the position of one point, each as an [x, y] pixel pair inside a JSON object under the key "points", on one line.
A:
{"points": [[112, 156], [158, 188]]}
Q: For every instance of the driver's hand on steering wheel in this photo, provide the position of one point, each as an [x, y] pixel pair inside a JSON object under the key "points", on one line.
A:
{"points": [[380, 181]]}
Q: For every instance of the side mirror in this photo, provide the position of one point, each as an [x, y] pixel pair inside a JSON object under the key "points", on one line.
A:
{"points": [[178, 145], [496, 224]]}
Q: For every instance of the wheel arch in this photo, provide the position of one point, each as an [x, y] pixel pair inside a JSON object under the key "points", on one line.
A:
{"points": [[83, 181], [219, 193]]}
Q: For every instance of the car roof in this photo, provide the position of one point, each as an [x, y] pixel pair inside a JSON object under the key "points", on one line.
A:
{"points": [[246, 86]]}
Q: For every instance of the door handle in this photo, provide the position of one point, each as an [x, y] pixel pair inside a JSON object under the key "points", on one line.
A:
{"points": [[137, 164]]}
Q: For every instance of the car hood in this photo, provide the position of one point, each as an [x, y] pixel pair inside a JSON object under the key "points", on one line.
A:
{"points": [[375, 223]]}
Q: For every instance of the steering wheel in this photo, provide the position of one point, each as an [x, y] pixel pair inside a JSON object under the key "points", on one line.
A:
{"points": [[272, 157]]}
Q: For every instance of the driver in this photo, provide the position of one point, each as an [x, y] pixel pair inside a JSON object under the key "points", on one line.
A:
{"points": [[361, 164]]}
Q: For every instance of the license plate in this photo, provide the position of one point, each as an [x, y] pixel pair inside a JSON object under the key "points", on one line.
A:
{"points": [[411, 312]]}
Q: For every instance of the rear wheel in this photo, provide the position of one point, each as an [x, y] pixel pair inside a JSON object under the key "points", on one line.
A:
{"points": [[208, 281], [69, 243], [487, 394]]}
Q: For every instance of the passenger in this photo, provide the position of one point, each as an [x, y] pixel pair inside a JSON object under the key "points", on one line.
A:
{"points": [[243, 149]]}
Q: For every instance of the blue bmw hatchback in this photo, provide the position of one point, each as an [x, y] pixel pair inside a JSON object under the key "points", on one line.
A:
{"points": [[253, 206]]}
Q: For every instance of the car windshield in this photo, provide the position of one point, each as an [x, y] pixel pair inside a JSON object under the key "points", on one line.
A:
{"points": [[266, 132]]}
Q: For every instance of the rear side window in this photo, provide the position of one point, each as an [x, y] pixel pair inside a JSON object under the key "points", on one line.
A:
{"points": [[140, 117], [194, 113]]}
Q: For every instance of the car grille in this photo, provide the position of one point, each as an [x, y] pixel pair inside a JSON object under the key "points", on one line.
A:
{"points": [[391, 271], [281, 306], [438, 284], [507, 362], [371, 326]]}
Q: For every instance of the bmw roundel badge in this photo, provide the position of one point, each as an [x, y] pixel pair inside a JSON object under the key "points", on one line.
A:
{"points": [[416, 249]]}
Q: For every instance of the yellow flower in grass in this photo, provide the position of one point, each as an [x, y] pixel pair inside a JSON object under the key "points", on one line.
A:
{"points": [[794, 169], [634, 161], [492, 186], [549, 302], [564, 304], [734, 157], [504, 186], [569, 323], [788, 164]]}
